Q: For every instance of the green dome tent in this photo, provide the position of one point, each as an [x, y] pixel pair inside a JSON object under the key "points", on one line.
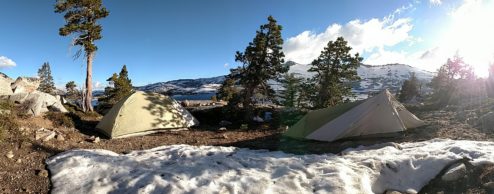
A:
{"points": [[142, 113], [375, 116]]}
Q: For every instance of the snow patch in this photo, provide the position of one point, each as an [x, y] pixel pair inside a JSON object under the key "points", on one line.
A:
{"points": [[405, 167]]}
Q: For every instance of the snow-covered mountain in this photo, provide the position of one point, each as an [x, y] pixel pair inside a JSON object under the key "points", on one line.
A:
{"points": [[374, 78], [186, 86]]}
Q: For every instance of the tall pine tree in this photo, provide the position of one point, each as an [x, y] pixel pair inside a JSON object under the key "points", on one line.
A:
{"points": [[46, 79], [81, 19], [262, 61], [334, 69]]}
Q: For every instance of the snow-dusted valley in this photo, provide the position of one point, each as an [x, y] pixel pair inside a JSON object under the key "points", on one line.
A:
{"points": [[374, 78]]}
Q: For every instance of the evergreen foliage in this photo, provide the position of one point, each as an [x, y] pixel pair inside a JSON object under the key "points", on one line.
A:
{"points": [[262, 61], [228, 89], [122, 87], [409, 89], [291, 85], [81, 19], [306, 94], [46, 79], [72, 91], [334, 69], [449, 83]]}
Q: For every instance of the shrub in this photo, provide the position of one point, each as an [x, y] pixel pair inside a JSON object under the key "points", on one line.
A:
{"points": [[7, 118], [60, 119], [21, 110]]}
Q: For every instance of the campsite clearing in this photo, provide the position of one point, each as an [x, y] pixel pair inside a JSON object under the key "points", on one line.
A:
{"points": [[24, 171]]}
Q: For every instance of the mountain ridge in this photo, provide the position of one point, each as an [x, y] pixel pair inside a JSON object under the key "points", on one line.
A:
{"points": [[374, 78]]}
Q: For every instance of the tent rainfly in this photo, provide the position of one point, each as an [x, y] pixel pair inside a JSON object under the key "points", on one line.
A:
{"points": [[375, 116], [143, 113]]}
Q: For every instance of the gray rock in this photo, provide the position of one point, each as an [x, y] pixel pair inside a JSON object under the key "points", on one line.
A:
{"points": [[455, 172], [393, 192], [489, 185], [5, 88], [222, 129], [44, 134], [25, 85], [225, 123], [37, 102]]}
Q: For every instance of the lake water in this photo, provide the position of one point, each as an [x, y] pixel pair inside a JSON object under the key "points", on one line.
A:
{"points": [[202, 96]]}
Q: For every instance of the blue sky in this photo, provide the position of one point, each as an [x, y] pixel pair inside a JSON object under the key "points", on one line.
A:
{"points": [[166, 40]]}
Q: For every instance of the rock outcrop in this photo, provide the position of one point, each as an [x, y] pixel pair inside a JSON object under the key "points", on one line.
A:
{"points": [[25, 85], [37, 102], [5, 88]]}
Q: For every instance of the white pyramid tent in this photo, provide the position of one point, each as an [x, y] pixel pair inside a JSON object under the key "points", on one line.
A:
{"points": [[377, 115], [143, 113]]}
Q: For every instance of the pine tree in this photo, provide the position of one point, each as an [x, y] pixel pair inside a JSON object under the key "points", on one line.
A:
{"points": [[72, 91], [446, 84], [262, 61], [121, 86], [409, 89], [306, 94], [81, 18], [228, 89], [291, 85], [46, 80], [335, 68]]}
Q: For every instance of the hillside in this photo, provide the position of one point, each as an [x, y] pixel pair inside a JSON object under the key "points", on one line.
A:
{"points": [[374, 78], [186, 86]]}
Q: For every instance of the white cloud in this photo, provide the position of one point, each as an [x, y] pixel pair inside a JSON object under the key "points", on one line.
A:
{"points": [[362, 36], [226, 65], [99, 86], [435, 2], [430, 59], [6, 62]]}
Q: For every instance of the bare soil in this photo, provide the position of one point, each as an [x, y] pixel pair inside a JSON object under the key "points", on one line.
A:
{"points": [[26, 171]]}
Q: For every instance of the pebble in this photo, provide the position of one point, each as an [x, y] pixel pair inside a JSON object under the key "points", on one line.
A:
{"points": [[59, 137], [10, 154], [222, 129], [42, 173], [96, 140]]}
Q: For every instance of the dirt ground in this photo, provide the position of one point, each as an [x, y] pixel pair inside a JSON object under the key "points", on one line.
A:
{"points": [[26, 171]]}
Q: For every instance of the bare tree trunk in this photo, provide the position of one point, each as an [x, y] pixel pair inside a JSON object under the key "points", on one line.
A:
{"points": [[88, 96]]}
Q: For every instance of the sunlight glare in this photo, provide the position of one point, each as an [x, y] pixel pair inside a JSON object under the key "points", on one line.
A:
{"points": [[471, 33]]}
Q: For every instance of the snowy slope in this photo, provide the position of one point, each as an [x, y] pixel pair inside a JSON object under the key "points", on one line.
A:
{"points": [[186, 86], [374, 78], [405, 167]]}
